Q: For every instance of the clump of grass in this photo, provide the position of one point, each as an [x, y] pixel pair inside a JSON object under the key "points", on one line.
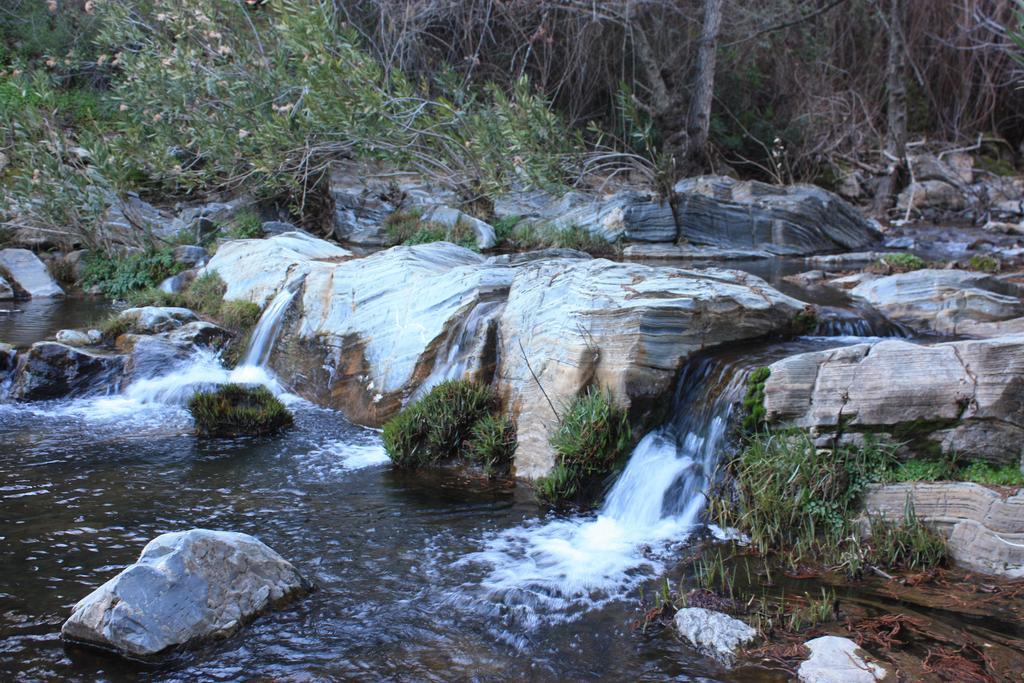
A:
{"points": [[921, 470], [530, 235], [492, 444], [438, 426], [591, 442], [408, 228], [238, 410], [240, 316], [908, 545], [205, 294], [246, 224], [795, 498], [948, 469], [753, 401], [114, 326], [986, 264], [984, 473], [903, 262]]}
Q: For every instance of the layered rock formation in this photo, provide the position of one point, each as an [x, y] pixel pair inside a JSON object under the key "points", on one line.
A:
{"points": [[962, 397], [186, 586]]}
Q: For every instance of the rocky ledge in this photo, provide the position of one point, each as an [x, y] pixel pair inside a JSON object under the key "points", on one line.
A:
{"points": [[185, 587]]}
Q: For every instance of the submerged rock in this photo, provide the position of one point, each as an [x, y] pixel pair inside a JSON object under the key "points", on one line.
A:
{"points": [[26, 273], [625, 328], [52, 370], [957, 397], [838, 660], [186, 586], [943, 301], [715, 634], [984, 530]]}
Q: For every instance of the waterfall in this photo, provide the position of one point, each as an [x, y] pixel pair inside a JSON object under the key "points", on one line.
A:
{"points": [[261, 343], [464, 346], [555, 569], [859, 321]]}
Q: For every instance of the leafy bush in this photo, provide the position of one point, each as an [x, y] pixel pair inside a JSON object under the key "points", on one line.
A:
{"points": [[117, 276], [591, 442], [238, 410], [437, 426], [245, 225], [897, 263]]}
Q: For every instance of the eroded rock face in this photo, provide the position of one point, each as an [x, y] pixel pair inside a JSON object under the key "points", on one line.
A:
{"points": [[626, 328], [715, 634], [186, 586], [965, 397], [254, 270], [52, 370], [943, 301], [984, 530], [27, 274], [838, 660], [794, 219]]}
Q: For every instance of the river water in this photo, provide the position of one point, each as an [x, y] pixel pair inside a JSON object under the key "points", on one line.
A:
{"points": [[424, 576]]}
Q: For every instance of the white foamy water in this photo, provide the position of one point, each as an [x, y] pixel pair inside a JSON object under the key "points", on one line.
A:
{"points": [[261, 342], [556, 569], [341, 457]]}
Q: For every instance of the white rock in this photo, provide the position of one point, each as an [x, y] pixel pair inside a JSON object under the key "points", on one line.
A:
{"points": [[838, 660], [73, 338], [185, 586], [715, 634], [450, 218], [153, 319], [29, 273], [256, 269]]}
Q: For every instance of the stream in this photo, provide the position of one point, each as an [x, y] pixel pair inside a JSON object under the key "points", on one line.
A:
{"points": [[421, 576]]}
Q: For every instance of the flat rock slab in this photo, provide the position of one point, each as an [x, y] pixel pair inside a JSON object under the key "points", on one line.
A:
{"points": [[186, 586], [984, 529], [715, 634], [29, 274], [838, 660]]}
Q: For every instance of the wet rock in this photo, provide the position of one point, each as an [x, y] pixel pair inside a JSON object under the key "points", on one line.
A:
{"points": [[73, 338], [26, 273], [185, 587], [201, 334], [521, 258], [795, 219], [715, 634], [52, 370], [847, 261], [255, 270], [154, 319], [957, 397], [690, 252], [190, 255], [838, 660], [984, 530], [942, 301], [6, 290], [8, 362], [626, 328], [810, 278], [451, 218]]}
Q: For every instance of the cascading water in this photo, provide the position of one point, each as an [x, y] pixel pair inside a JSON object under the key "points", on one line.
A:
{"points": [[269, 326], [554, 570]]}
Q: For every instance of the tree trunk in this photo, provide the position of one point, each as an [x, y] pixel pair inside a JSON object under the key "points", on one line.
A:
{"points": [[896, 84], [698, 120]]}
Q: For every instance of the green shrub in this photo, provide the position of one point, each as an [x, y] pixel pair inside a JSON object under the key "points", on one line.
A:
{"points": [[238, 410], [984, 473], [986, 264], [903, 262], [239, 315], [592, 440], [921, 470], [119, 275], [753, 401], [408, 228], [245, 225], [907, 545], [492, 444], [436, 427], [530, 235]]}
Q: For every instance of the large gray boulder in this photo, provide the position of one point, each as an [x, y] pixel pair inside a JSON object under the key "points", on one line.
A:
{"points": [[27, 274], [838, 660], [792, 219], [154, 319], [984, 529], [134, 222], [256, 269], [714, 634], [961, 397], [626, 328], [943, 301], [185, 587], [52, 370]]}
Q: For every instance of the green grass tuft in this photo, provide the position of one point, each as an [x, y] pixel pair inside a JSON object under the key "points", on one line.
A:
{"points": [[238, 410], [903, 262]]}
